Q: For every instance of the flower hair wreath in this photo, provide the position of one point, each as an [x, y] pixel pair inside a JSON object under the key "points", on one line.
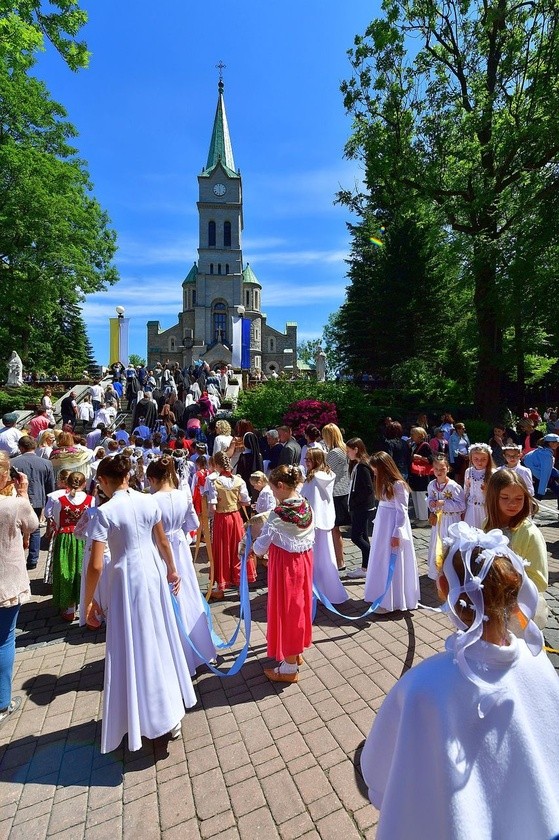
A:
{"points": [[484, 447]]}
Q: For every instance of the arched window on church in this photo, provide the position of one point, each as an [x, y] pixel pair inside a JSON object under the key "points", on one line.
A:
{"points": [[219, 268], [227, 234], [227, 268], [211, 268], [172, 344], [220, 322], [211, 234], [256, 299], [247, 299], [271, 345]]}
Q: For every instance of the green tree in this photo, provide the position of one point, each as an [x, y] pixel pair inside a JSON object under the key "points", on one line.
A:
{"points": [[468, 124], [25, 25], [55, 242], [136, 360]]}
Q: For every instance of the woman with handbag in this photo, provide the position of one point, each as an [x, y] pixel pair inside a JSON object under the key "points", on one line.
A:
{"points": [[420, 470]]}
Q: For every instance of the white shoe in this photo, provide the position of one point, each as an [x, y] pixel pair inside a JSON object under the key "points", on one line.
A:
{"points": [[357, 573], [175, 732]]}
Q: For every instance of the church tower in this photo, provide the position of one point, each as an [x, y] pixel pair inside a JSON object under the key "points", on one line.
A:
{"points": [[218, 284]]}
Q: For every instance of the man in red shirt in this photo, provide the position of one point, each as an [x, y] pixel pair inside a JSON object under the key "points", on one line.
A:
{"points": [[38, 423]]}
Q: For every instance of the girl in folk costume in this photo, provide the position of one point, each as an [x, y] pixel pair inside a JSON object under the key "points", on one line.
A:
{"points": [[471, 733], [510, 507], [475, 483], [178, 518], [317, 490], [446, 502], [147, 682], [226, 494], [67, 551], [198, 482], [288, 536], [391, 533]]}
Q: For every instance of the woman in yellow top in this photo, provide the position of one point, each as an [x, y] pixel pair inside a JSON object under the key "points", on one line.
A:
{"points": [[510, 508]]}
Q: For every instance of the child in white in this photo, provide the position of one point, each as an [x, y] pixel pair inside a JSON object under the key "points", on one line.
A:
{"points": [[83, 531], [466, 744], [178, 518], [391, 533], [512, 455], [445, 499], [266, 500], [317, 490], [475, 481]]}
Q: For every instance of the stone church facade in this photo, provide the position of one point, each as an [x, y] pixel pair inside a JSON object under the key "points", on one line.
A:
{"points": [[219, 283]]}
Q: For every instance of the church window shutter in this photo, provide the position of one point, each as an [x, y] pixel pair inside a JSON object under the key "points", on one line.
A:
{"points": [[211, 234], [227, 234]]}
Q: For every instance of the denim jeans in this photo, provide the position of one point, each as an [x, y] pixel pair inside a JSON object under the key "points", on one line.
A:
{"points": [[360, 528], [8, 618], [34, 542]]}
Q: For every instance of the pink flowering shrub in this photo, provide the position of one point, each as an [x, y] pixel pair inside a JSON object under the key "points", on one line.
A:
{"points": [[303, 413]]}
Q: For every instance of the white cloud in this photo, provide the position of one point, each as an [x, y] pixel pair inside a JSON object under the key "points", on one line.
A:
{"points": [[180, 251]]}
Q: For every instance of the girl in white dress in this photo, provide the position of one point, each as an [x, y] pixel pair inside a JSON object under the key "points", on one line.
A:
{"points": [[179, 518], [475, 482], [471, 734], [446, 502], [147, 680], [391, 533], [83, 531], [317, 490]]}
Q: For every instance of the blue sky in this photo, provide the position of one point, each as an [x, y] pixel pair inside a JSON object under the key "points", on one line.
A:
{"points": [[144, 109]]}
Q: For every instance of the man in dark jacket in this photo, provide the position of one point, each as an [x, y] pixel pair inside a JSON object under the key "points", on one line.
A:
{"points": [[291, 452], [40, 474]]}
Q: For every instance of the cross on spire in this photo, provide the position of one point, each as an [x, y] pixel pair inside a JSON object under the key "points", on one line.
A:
{"points": [[221, 67]]}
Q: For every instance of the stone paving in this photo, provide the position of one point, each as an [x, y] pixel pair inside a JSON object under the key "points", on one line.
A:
{"points": [[257, 760]]}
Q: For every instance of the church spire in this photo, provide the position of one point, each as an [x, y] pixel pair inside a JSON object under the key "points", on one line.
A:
{"points": [[221, 149]]}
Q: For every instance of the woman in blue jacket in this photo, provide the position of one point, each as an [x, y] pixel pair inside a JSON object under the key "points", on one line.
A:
{"points": [[541, 463]]}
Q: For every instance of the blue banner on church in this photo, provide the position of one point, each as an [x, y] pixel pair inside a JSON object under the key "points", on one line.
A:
{"points": [[245, 345]]}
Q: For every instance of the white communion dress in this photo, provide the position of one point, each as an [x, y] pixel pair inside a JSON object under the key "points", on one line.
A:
{"points": [[436, 769], [318, 492], [392, 520], [178, 517], [147, 680]]}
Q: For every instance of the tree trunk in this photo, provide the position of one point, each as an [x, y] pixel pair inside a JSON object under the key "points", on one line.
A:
{"points": [[489, 374], [519, 362]]}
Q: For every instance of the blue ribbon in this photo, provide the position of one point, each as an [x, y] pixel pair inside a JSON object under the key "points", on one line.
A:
{"points": [[320, 596], [244, 618]]}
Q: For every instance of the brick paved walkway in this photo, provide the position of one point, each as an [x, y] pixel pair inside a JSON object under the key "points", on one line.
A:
{"points": [[257, 760]]}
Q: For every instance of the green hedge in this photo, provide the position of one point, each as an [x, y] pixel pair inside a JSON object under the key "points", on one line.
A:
{"points": [[267, 404], [15, 399]]}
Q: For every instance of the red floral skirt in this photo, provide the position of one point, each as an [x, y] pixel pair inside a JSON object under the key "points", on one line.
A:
{"points": [[289, 629], [227, 534]]}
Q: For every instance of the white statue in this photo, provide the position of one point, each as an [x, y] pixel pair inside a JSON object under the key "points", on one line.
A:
{"points": [[15, 370], [320, 361]]}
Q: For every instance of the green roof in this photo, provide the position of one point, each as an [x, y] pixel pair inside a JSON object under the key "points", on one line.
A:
{"points": [[191, 276], [221, 150], [249, 276]]}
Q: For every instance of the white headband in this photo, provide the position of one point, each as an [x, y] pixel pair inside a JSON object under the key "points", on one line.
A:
{"points": [[464, 538], [484, 446]]}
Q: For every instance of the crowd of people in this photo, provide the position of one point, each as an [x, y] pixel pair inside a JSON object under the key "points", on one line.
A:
{"points": [[123, 557]]}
